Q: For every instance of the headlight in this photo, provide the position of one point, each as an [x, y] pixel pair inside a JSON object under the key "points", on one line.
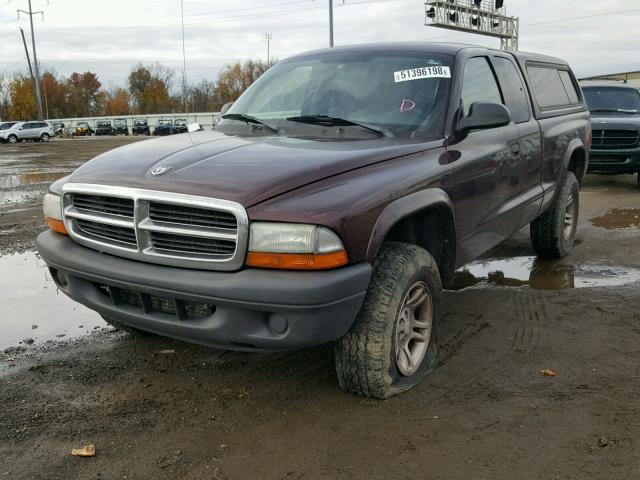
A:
{"points": [[52, 207], [294, 246]]}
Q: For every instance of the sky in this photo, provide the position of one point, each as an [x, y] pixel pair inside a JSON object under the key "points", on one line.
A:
{"points": [[109, 37]]}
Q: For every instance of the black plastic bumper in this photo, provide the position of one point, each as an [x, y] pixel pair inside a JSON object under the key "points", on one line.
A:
{"points": [[247, 310]]}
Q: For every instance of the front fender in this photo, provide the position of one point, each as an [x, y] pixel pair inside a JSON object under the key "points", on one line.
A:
{"points": [[403, 208]]}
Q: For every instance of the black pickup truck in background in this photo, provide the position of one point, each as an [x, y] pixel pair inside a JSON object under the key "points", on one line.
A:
{"points": [[615, 118], [332, 203]]}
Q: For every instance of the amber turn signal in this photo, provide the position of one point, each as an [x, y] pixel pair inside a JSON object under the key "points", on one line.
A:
{"points": [[298, 261], [56, 226]]}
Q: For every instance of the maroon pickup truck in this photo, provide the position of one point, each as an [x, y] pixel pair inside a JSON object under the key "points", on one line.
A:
{"points": [[332, 203]]}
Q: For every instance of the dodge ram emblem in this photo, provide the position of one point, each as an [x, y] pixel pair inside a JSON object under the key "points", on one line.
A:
{"points": [[159, 170]]}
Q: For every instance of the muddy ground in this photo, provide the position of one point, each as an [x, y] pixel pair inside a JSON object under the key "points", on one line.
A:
{"points": [[156, 408]]}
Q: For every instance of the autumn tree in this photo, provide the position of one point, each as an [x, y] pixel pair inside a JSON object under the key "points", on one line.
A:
{"points": [[84, 90], [202, 97], [55, 95], [23, 105], [5, 94], [149, 86], [118, 102]]}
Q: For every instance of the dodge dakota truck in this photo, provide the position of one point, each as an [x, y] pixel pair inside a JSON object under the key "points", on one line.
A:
{"points": [[332, 203]]}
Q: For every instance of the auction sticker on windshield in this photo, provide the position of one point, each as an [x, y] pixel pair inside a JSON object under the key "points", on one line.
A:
{"points": [[422, 72]]}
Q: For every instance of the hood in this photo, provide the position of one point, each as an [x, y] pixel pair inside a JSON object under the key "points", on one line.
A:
{"points": [[247, 170], [615, 121]]}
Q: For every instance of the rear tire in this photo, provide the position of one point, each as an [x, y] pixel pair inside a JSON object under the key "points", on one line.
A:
{"points": [[554, 232], [392, 345], [125, 328], [45, 137]]}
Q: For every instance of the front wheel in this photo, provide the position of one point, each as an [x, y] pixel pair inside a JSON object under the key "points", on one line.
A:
{"points": [[554, 232], [392, 345], [12, 139]]}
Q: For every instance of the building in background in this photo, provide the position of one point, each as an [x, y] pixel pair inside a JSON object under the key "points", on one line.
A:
{"points": [[632, 78]]}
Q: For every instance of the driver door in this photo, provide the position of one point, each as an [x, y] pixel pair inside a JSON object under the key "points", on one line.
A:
{"points": [[486, 180]]}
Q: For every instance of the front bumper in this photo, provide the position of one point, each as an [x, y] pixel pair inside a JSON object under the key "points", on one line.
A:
{"points": [[248, 310], [614, 161]]}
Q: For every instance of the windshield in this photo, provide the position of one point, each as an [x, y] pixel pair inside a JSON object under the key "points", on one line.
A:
{"points": [[401, 93], [140, 122], [104, 124], [83, 125], [164, 122], [120, 122], [612, 99], [7, 126]]}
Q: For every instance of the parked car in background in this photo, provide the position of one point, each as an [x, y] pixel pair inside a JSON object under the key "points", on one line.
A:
{"points": [[163, 127], [180, 126], [21, 131], [140, 127], [5, 127], [83, 129], [615, 117], [321, 210], [104, 127], [58, 129], [120, 127]]}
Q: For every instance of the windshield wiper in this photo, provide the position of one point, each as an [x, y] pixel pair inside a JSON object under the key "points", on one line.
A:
{"points": [[336, 121], [249, 119], [614, 110]]}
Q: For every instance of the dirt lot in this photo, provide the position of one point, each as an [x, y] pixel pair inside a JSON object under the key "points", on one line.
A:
{"points": [[156, 408]]}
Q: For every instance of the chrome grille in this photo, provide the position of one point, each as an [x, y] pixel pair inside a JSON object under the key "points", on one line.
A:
{"points": [[101, 204], [157, 227], [615, 139], [112, 233], [162, 212]]}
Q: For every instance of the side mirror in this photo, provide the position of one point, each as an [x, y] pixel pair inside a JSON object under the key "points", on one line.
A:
{"points": [[484, 115], [225, 108]]}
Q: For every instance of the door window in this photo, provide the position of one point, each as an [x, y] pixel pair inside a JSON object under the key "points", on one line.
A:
{"points": [[479, 84], [515, 96]]}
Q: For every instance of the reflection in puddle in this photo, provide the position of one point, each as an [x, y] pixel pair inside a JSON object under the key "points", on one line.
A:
{"points": [[541, 274], [619, 219], [30, 298], [15, 187]]}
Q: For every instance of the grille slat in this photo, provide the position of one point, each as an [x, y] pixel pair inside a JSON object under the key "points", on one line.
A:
{"points": [[162, 212], [157, 227], [102, 204], [110, 232], [178, 243], [613, 139]]}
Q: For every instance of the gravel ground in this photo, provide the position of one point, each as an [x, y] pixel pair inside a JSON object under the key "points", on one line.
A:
{"points": [[156, 408]]}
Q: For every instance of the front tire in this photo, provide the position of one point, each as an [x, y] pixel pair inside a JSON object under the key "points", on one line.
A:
{"points": [[554, 232], [12, 139], [392, 345]]}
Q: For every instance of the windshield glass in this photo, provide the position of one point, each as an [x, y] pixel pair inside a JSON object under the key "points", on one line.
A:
{"points": [[140, 122], [83, 125], [7, 126], [120, 122], [164, 122], [612, 98], [402, 93], [104, 124]]}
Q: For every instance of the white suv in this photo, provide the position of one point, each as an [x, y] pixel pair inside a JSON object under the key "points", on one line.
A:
{"points": [[19, 131]]}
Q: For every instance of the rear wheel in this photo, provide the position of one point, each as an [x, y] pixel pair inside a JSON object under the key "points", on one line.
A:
{"points": [[45, 137], [554, 232], [392, 345], [125, 328]]}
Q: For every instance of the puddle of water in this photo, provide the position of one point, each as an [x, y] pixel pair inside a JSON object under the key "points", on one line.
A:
{"points": [[541, 274], [30, 297], [12, 186], [617, 219]]}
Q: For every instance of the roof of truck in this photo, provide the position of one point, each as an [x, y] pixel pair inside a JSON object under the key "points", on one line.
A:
{"points": [[431, 47]]}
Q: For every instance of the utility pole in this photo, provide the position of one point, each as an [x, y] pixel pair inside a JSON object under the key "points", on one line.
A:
{"points": [[31, 13], [184, 61], [331, 23], [267, 38], [33, 80]]}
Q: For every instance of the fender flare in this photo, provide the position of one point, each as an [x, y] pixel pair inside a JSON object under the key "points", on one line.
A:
{"points": [[404, 207], [574, 145]]}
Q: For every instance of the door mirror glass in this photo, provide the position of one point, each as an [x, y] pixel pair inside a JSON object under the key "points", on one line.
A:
{"points": [[484, 115]]}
